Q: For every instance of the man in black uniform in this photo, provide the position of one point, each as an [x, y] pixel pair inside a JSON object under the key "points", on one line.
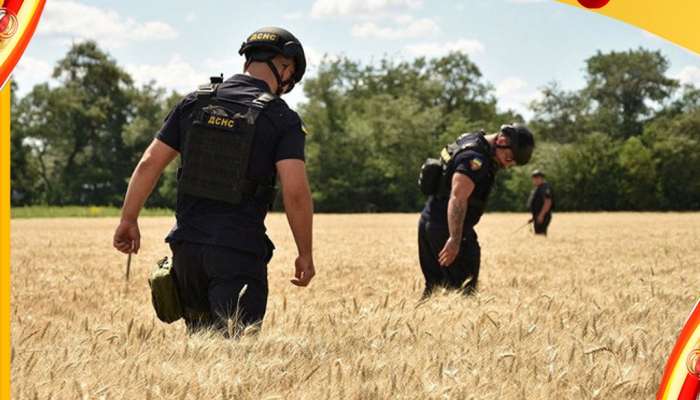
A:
{"points": [[448, 247], [235, 137], [540, 203]]}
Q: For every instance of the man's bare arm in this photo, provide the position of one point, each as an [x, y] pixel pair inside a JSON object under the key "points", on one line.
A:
{"points": [[144, 178], [462, 188], [298, 206]]}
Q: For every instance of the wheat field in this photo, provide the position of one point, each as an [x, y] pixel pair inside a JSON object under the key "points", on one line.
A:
{"points": [[591, 312]]}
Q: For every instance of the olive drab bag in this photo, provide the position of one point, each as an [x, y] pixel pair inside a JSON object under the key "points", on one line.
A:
{"points": [[217, 148], [164, 296], [435, 174]]}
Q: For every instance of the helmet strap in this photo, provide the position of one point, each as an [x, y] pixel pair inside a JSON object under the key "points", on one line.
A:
{"points": [[280, 83]]}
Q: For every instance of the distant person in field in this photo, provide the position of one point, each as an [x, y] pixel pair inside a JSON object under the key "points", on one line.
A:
{"points": [[540, 203], [235, 138], [458, 185]]}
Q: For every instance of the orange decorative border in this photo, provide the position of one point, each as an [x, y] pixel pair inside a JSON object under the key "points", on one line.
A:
{"points": [[7, 65], [5, 242], [676, 372], [674, 20]]}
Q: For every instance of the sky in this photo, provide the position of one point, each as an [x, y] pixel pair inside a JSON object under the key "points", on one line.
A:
{"points": [[519, 45]]}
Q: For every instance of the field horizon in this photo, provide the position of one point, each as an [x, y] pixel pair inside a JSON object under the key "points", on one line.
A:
{"points": [[591, 312]]}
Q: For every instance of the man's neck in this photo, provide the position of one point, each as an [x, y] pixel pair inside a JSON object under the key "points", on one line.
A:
{"points": [[262, 72]]}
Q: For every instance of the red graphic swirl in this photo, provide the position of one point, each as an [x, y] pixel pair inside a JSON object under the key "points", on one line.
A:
{"points": [[593, 3]]}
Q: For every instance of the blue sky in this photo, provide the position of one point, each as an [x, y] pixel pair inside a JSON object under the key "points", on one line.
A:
{"points": [[519, 45]]}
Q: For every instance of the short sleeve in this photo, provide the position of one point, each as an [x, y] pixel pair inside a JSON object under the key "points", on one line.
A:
{"points": [[471, 164], [547, 192], [293, 139], [171, 131]]}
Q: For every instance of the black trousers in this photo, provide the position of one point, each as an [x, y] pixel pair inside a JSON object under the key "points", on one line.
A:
{"points": [[541, 229], [464, 271], [210, 281]]}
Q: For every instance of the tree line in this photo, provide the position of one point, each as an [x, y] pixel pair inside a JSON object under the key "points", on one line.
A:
{"points": [[629, 140]]}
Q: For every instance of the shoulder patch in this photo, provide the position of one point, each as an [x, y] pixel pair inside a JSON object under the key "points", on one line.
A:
{"points": [[475, 164]]}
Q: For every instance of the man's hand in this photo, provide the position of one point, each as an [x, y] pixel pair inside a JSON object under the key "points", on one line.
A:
{"points": [[127, 237], [304, 271], [449, 252]]}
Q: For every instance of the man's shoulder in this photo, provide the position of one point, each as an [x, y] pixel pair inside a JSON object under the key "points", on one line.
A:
{"points": [[472, 160], [279, 109], [187, 100]]}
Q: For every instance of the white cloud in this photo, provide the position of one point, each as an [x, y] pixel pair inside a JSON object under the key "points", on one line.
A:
{"points": [[293, 16], [514, 93], [31, 71], [437, 49], [330, 8], [509, 85], [181, 76], [176, 74], [690, 74], [68, 19], [407, 27]]}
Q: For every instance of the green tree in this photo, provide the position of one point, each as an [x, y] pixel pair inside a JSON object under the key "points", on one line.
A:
{"points": [[24, 174], [624, 85], [76, 128], [675, 145], [560, 116], [371, 127], [638, 184], [588, 174]]}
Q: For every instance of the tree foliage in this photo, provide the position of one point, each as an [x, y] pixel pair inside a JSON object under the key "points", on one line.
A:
{"points": [[628, 140]]}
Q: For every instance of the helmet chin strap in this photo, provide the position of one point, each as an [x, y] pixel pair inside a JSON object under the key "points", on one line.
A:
{"points": [[280, 83]]}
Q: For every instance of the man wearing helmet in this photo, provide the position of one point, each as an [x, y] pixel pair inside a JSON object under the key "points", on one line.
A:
{"points": [[235, 138], [448, 247], [540, 203]]}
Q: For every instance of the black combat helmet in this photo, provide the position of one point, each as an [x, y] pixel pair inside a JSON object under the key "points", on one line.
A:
{"points": [[265, 43], [522, 143]]}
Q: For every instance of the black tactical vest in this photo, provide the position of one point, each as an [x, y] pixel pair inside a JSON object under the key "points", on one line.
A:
{"points": [[217, 148], [466, 141]]}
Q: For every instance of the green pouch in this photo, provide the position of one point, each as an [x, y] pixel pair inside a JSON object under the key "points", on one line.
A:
{"points": [[164, 292]]}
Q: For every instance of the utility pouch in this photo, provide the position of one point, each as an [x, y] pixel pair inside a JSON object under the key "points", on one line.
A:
{"points": [[430, 175], [164, 296]]}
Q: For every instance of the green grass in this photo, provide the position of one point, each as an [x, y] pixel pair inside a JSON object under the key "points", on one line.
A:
{"points": [[79, 211]]}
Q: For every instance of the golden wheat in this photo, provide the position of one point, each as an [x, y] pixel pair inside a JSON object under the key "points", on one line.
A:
{"points": [[591, 312]]}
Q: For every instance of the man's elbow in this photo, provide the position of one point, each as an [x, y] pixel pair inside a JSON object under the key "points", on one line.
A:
{"points": [[148, 166], [297, 198]]}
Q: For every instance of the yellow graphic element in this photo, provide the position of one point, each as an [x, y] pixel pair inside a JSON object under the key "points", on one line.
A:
{"points": [[445, 155], [5, 241], [265, 37], [303, 129], [674, 20], [475, 164], [221, 121]]}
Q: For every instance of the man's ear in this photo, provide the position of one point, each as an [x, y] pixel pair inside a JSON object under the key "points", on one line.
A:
{"points": [[501, 140]]}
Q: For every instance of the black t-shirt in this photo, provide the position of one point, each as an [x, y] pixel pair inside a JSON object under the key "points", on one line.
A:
{"points": [[537, 196], [279, 135], [480, 168]]}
